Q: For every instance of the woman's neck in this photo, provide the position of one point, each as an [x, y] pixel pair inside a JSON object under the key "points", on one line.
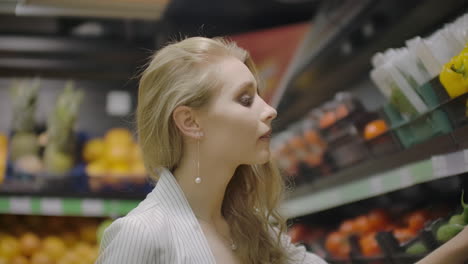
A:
{"points": [[205, 198]]}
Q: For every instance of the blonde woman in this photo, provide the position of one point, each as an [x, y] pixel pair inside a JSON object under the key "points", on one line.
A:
{"points": [[205, 132]]}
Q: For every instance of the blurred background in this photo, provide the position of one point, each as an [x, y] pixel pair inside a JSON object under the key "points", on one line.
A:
{"points": [[371, 133]]}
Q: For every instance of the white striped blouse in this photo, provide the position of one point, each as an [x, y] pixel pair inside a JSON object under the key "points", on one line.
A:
{"points": [[163, 229]]}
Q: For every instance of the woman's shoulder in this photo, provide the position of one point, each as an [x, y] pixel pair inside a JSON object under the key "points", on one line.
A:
{"points": [[141, 233], [148, 217]]}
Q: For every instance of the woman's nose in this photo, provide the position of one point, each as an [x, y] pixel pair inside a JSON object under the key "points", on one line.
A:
{"points": [[270, 112]]}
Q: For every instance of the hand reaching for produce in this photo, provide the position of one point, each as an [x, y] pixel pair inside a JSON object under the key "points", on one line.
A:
{"points": [[453, 252]]}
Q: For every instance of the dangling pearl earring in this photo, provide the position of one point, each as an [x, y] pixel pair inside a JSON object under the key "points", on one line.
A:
{"points": [[198, 179]]}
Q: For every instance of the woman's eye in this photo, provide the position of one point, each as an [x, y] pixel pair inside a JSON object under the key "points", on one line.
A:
{"points": [[246, 100]]}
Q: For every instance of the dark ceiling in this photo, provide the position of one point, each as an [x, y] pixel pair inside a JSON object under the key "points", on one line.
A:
{"points": [[182, 17], [114, 48], [228, 17]]}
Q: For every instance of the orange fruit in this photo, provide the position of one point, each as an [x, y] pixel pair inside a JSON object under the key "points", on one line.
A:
{"points": [[404, 234], [117, 136], [41, 258], [54, 247], [375, 129], [369, 245], [117, 153], [3, 141], [93, 150], [29, 244], [378, 219], [347, 227], [327, 119], [19, 260], [362, 224], [337, 244], [97, 168], [9, 247]]}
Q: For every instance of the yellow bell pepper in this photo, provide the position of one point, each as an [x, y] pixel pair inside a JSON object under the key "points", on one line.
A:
{"points": [[454, 75]]}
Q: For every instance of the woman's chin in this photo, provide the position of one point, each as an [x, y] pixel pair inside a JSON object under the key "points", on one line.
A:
{"points": [[263, 158]]}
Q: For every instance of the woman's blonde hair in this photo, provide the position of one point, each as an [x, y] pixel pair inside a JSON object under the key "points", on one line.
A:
{"points": [[178, 74]]}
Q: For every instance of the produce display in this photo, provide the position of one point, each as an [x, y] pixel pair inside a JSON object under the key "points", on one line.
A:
{"points": [[339, 134], [58, 152], [49, 239], [367, 237], [454, 74], [113, 159]]}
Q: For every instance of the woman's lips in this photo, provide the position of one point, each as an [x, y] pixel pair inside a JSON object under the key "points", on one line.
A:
{"points": [[267, 136]]}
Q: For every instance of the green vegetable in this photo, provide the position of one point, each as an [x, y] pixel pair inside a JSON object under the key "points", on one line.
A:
{"points": [[417, 248], [465, 207], [458, 219], [447, 231]]}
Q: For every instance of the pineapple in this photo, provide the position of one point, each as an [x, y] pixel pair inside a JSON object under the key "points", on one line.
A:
{"points": [[24, 99], [58, 155]]}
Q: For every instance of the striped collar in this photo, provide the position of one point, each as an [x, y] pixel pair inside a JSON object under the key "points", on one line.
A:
{"points": [[169, 194]]}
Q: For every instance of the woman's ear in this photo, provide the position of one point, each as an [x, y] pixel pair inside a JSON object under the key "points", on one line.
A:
{"points": [[185, 120]]}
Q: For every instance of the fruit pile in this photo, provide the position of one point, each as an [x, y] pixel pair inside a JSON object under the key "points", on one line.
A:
{"points": [[47, 240], [364, 229], [454, 225], [114, 158]]}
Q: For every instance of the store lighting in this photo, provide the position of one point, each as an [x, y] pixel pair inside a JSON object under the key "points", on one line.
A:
{"points": [[137, 9]]}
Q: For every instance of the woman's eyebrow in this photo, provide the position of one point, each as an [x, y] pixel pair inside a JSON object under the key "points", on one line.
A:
{"points": [[246, 85]]}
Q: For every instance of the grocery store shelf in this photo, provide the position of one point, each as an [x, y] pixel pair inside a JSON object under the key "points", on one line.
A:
{"points": [[30, 205], [435, 167]]}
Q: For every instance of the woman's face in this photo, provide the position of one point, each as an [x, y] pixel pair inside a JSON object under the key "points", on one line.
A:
{"points": [[237, 118]]}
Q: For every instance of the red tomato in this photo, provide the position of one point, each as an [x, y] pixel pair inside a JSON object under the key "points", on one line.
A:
{"points": [[298, 233], [416, 220], [378, 219], [337, 244], [362, 224], [369, 245], [347, 227], [327, 119], [404, 234]]}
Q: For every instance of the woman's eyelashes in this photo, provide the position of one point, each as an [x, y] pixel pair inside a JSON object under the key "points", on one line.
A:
{"points": [[246, 100]]}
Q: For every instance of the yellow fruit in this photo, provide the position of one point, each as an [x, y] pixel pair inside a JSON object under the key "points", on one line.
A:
{"points": [[3, 141], [19, 260], [82, 249], [3, 260], [70, 258], [93, 150], [116, 136], [41, 258], [54, 247], [9, 247], [117, 153], [29, 244], [97, 168], [69, 238], [119, 170]]}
